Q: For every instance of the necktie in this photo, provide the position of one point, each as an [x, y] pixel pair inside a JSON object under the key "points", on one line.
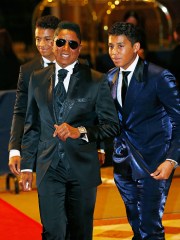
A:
{"points": [[60, 93], [124, 85], [59, 97], [50, 63]]}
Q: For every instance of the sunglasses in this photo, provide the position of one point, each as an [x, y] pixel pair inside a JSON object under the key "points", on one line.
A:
{"points": [[72, 44]]}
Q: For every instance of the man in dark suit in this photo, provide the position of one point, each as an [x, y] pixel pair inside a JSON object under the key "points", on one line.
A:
{"points": [[148, 148], [44, 33], [61, 135]]}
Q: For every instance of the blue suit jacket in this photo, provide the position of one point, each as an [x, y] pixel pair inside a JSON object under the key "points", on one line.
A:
{"points": [[150, 119]]}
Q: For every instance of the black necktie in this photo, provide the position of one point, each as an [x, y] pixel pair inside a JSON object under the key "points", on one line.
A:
{"points": [[60, 93], [50, 63], [124, 85], [59, 97]]}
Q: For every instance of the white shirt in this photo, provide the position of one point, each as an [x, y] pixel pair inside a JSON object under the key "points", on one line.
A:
{"points": [[67, 78], [46, 61], [131, 69]]}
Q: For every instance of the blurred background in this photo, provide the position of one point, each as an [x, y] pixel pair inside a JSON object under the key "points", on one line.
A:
{"points": [[158, 19]]}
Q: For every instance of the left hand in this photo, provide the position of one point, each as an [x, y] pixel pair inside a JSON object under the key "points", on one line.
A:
{"points": [[64, 131], [163, 171], [101, 157]]}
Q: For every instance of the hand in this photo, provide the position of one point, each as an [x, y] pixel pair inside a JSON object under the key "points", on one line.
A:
{"points": [[163, 171], [101, 157], [64, 131], [25, 181], [14, 164]]}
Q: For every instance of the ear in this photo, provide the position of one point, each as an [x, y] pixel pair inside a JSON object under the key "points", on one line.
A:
{"points": [[136, 47], [80, 47]]}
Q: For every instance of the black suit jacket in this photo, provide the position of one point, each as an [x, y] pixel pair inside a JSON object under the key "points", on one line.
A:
{"points": [[88, 103], [21, 101]]}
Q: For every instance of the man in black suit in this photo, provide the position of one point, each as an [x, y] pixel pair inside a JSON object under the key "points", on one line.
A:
{"points": [[44, 33], [61, 135]]}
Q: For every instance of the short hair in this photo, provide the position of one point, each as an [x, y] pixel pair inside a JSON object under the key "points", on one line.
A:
{"points": [[127, 29], [69, 26], [47, 22]]}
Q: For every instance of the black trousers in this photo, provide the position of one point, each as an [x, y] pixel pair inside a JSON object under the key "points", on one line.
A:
{"points": [[65, 207]]}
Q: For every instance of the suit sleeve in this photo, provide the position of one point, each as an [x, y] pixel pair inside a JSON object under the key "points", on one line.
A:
{"points": [[169, 96], [19, 113], [31, 131], [108, 123]]}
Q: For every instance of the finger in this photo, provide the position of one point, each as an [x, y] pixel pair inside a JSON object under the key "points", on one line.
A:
{"points": [[55, 132], [156, 173], [14, 169]]}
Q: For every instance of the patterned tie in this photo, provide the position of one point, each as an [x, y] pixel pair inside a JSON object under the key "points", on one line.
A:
{"points": [[124, 85], [60, 93]]}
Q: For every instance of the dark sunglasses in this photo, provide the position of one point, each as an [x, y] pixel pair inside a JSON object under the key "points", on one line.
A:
{"points": [[72, 44]]}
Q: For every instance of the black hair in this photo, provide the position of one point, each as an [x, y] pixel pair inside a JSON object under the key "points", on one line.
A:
{"points": [[70, 26], [47, 22], [127, 29]]}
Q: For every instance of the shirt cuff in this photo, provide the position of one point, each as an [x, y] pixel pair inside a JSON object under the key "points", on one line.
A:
{"points": [[101, 151], [26, 170], [14, 152]]}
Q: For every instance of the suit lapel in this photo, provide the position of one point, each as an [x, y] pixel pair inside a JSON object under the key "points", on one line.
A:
{"points": [[50, 95], [135, 87], [70, 101]]}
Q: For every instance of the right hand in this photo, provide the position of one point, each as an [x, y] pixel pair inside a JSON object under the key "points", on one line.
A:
{"points": [[25, 181], [14, 165]]}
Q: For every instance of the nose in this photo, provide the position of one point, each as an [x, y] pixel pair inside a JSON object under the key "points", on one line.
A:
{"points": [[42, 42], [66, 46]]}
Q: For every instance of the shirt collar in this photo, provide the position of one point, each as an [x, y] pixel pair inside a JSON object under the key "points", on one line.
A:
{"points": [[69, 67], [132, 66], [46, 61]]}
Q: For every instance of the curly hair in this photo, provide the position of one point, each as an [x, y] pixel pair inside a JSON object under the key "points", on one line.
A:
{"points": [[127, 29], [47, 21]]}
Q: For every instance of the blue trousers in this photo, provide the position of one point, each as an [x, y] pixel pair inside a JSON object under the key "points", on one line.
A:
{"points": [[144, 200]]}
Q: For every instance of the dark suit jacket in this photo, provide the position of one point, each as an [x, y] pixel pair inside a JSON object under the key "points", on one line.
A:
{"points": [[150, 119], [21, 101], [88, 99]]}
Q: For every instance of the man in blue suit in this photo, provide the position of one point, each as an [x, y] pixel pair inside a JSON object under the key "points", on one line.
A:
{"points": [[148, 149]]}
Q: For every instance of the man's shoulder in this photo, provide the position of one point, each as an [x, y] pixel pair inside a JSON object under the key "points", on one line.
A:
{"points": [[111, 73], [33, 64], [47, 71]]}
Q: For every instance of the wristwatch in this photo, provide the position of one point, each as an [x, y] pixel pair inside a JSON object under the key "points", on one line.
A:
{"points": [[82, 131]]}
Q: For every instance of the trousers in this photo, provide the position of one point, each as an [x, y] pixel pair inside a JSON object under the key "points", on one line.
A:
{"points": [[63, 202]]}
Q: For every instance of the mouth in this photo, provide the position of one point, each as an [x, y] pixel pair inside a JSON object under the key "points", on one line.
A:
{"points": [[116, 59], [64, 55]]}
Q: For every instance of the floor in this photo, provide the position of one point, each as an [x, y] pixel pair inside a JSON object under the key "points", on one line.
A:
{"points": [[110, 221]]}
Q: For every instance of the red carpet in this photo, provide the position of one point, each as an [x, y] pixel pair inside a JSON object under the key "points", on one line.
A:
{"points": [[15, 225]]}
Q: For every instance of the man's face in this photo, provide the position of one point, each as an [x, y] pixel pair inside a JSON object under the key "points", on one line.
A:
{"points": [[44, 42], [65, 55], [121, 51]]}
